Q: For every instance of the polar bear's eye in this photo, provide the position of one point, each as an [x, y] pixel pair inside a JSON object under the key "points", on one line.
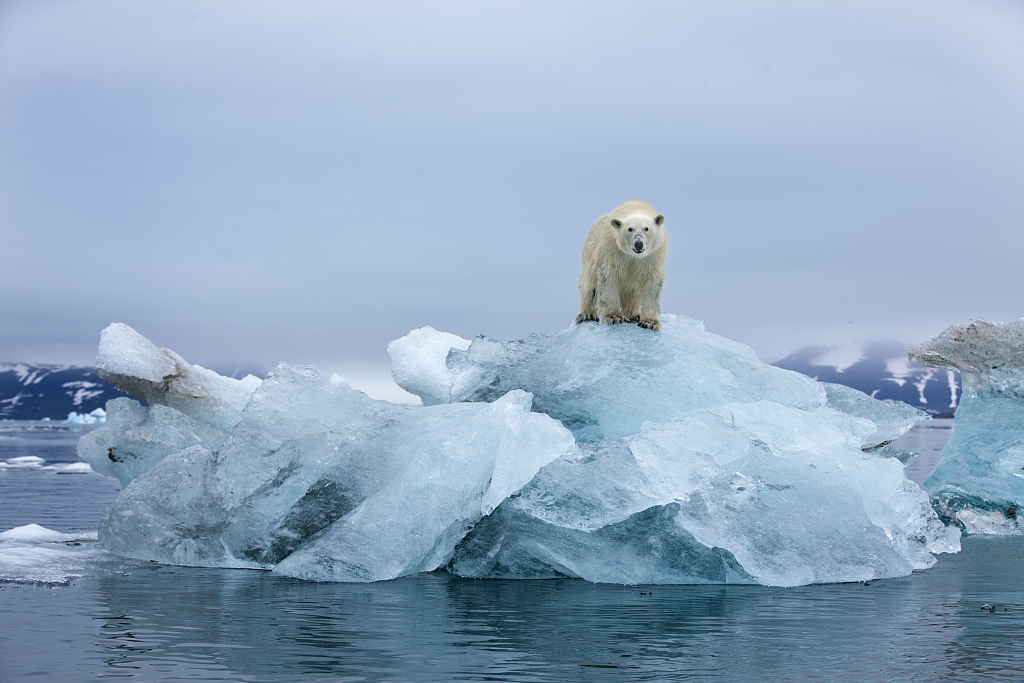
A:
{"points": [[646, 229], [631, 229]]}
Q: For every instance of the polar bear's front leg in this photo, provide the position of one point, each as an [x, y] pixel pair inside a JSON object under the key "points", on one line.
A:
{"points": [[609, 301], [588, 298], [650, 306]]}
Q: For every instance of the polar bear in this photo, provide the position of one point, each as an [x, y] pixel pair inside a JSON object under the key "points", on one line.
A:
{"points": [[624, 267]]}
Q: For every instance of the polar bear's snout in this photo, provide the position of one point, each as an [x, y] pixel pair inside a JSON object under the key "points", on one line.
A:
{"points": [[638, 243]]}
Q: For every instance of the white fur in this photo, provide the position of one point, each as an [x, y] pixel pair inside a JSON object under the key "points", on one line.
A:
{"points": [[619, 284]]}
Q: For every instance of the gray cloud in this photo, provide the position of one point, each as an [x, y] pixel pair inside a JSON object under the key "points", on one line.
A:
{"points": [[250, 182]]}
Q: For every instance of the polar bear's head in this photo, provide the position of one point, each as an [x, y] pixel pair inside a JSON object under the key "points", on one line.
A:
{"points": [[639, 234]]}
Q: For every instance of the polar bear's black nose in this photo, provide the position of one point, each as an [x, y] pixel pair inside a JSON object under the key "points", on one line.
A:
{"points": [[638, 246]]}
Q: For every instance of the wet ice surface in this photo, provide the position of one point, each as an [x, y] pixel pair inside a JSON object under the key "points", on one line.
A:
{"points": [[154, 622]]}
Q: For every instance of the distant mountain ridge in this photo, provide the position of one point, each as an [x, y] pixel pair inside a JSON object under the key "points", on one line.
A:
{"points": [[882, 370], [36, 391]]}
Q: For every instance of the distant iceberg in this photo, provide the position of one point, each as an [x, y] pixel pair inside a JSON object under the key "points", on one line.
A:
{"points": [[978, 480], [97, 416], [608, 453]]}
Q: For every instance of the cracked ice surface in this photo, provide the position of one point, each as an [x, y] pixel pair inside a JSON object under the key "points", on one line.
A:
{"points": [[688, 461], [979, 477]]}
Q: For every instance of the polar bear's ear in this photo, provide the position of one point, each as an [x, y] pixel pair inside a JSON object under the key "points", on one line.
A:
{"points": [[616, 223], [659, 219]]}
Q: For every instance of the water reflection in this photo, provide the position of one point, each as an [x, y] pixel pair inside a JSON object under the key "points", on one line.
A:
{"points": [[243, 625]]}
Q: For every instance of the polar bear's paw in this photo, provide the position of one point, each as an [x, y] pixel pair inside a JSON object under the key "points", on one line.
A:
{"points": [[650, 324], [586, 318], [613, 319]]}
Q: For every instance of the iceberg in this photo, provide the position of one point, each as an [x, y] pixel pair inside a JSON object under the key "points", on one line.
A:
{"points": [[97, 416], [608, 453], [978, 481]]}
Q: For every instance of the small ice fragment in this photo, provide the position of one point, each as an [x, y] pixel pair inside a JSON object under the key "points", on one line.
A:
{"points": [[418, 363], [97, 416], [34, 533], [24, 462]]}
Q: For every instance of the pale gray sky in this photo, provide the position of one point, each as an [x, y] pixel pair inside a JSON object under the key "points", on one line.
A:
{"points": [[254, 182]]}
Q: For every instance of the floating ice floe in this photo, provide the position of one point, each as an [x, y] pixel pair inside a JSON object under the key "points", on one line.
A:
{"points": [[609, 453], [70, 468], [979, 477], [25, 462], [35, 554], [35, 463]]}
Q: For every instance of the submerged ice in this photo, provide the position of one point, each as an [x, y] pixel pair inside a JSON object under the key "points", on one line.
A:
{"points": [[978, 480], [609, 453]]}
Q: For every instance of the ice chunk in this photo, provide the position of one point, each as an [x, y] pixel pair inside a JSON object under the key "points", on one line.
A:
{"points": [[34, 533], [35, 463], [992, 522], [72, 468], [135, 365], [137, 437], [344, 486], [979, 477], [418, 363], [470, 461], [97, 416], [714, 498], [189, 405], [24, 462], [892, 419]]}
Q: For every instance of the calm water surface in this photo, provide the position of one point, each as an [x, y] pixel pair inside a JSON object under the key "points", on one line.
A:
{"points": [[158, 623]]}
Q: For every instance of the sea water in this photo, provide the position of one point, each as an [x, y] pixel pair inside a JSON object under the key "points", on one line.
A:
{"points": [[961, 620]]}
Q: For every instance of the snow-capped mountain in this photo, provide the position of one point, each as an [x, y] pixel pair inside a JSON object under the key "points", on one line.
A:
{"points": [[882, 370], [34, 392]]}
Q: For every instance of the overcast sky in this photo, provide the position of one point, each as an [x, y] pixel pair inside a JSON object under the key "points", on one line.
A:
{"points": [[254, 182]]}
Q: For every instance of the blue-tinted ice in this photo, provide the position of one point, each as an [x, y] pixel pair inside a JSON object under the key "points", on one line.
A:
{"points": [[337, 485], [979, 477], [610, 453]]}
